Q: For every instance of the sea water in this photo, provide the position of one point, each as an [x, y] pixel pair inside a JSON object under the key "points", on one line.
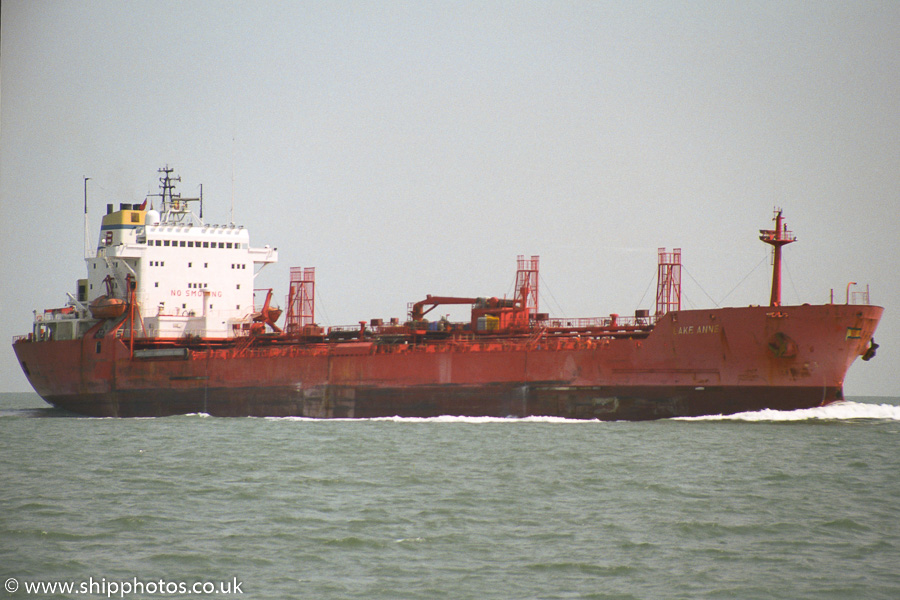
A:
{"points": [[802, 504]]}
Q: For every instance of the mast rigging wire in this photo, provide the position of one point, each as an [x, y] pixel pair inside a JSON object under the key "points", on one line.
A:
{"points": [[546, 288], [786, 268], [649, 283], [745, 277], [699, 286]]}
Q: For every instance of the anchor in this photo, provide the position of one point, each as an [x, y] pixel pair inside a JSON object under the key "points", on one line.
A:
{"points": [[870, 351]]}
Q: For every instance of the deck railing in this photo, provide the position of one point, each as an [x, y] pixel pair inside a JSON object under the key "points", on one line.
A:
{"points": [[602, 322], [859, 297]]}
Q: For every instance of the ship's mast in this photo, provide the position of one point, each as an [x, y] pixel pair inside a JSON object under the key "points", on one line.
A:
{"points": [[174, 207], [777, 238], [87, 233]]}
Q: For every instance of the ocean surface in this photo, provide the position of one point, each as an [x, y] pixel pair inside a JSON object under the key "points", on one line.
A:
{"points": [[802, 504]]}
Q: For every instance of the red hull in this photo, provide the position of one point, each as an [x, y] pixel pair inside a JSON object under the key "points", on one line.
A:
{"points": [[692, 363]]}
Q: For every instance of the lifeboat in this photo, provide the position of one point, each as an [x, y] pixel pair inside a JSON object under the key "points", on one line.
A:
{"points": [[105, 307]]}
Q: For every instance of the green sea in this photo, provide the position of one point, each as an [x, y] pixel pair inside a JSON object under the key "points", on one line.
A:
{"points": [[768, 505]]}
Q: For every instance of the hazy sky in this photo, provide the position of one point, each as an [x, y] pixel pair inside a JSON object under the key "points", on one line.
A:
{"points": [[407, 148]]}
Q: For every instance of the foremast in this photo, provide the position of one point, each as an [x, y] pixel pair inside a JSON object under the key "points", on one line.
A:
{"points": [[778, 237]]}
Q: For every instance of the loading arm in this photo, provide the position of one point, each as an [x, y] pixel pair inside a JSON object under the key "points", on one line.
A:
{"points": [[418, 309]]}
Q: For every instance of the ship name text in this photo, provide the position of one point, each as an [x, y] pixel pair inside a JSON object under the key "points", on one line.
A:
{"points": [[694, 329]]}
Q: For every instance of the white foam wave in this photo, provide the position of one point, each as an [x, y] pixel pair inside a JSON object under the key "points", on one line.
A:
{"points": [[196, 414], [839, 411], [445, 419], [477, 420]]}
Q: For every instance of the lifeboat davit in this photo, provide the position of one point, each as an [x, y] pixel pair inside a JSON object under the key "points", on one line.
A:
{"points": [[105, 307], [268, 314]]}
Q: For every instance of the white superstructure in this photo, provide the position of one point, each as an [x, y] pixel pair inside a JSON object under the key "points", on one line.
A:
{"points": [[189, 278]]}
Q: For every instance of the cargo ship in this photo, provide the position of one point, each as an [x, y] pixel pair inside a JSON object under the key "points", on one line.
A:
{"points": [[168, 322]]}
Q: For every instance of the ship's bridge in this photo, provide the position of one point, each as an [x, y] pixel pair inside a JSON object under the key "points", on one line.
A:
{"points": [[189, 278]]}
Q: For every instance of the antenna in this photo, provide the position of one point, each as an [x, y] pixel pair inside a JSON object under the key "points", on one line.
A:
{"points": [[232, 178], [174, 206], [87, 233]]}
